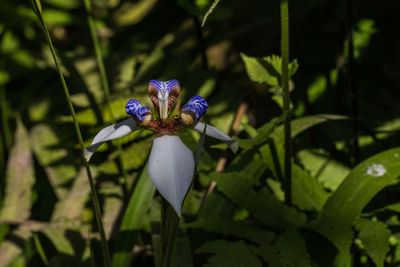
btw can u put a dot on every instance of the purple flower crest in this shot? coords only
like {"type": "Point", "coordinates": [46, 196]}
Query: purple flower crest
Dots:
{"type": "Point", "coordinates": [136, 109]}
{"type": "Point", "coordinates": [162, 86]}
{"type": "Point", "coordinates": [197, 105]}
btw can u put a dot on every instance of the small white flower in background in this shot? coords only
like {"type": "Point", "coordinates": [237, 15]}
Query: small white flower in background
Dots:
{"type": "Point", "coordinates": [171, 163]}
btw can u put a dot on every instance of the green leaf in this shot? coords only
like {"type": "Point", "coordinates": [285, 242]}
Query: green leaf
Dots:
{"type": "Point", "coordinates": [238, 187]}
{"type": "Point", "coordinates": [46, 146]}
{"type": "Point", "coordinates": [59, 17]}
{"type": "Point", "coordinates": [241, 229]}
{"type": "Point", "coordinates": [134, 218]}
{"type": "Point", "coordinates": [230, 254]}
{"type": "Point", "coordinates": [112, 206]}
{"type": "Point", "coordinates": [267, 69]}
{"type": "Point", "coordinates": [273, 152]}
{"type": "Point", "coordinates": [292, 249]}
{"type": "Point", "coordinates": [135, 155]}
{"type": "Point", "coordinates": [328, 171]}
{"type": "Point", "coordinates": [269, 254]}
{"type": "Point", "coordinates": [129, 13]}
{"type": "Point", "coordinates": [59, 239]}
{"type": "Point", "coordinates": [301, 124]}
{"type": "Point", "coordinates": [375, 238]}
{"type": "Point", "coordinates": [20, 178]}
{"type": "Point", "coordinates": [9, 249]}
{"type": "Point", "coordinates": [347, 202]}
{"type": "Point", "coordinates": [72, 205]}
{"type": "Point", "coordinates": [70, 4]}
{"type": "Point", "coordinates": [308, 194]}
{"type": "Point", "coordinates": [263, 133]}
{"type": "Point", "coordinates": [181, 254]}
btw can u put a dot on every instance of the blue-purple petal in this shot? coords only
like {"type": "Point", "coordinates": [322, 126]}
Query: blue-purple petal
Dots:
{"type": "Point", "coordinates": [163, 86]}
{"type": "Point", "coordinates": [197, 105]}
{"type": "Point", "coordinates": [136, 109]}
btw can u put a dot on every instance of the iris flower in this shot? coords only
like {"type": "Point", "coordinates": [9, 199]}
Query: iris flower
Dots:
{"type": "Point", "coordinates": [171, 163]}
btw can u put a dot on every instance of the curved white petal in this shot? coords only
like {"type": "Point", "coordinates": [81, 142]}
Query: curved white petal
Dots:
{"type": "Point", "coordinates": [171, 168]}
{"type": "Point", "coordinates": [218, 134]}
{"type": "Point", "coordinates": [109, 133]}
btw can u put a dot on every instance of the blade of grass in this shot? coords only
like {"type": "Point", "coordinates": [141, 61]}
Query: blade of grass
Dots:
{"type": "Point", "coordinates": [40, 249]}
{"type": "Point", "coordinates": [286, 100]}
{"type": "Point", "coordinates": [104, 81]}
{"type": "Point", "coordinates": [37, 8]}
{"type": "Point", "coordinates": [209, 11]}
{"type": "Point", "coordinates": [133, 219]}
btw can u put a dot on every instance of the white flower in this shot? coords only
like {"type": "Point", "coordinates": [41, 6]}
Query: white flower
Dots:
{"type": "Point", "coordinates": [171, 163]}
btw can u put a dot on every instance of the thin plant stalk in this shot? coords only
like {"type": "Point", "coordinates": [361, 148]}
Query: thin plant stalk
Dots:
{"type": "Point", "coordinates": [169, 228]}
{"type": "Point", "coordinates": [40, 249]}
{"type": "Point", "coordinates": [286, 100]}
{"type": "Point", "coordinates": [37, 8]}
{"type": "Point", "coordinates": [352, 81]}
{"type": "Point", "coordinates": [4, 118]}
{"type": "Point", "coordinates": [103, 75]}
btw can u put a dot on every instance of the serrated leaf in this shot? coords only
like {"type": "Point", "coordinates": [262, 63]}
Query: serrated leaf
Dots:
{"type": "Point", "coordinates": [375, 238]}
{"type": "Point", "coordinates": [308, 194]}
{"type": "Point", "coordinates": [19, 178]}
{"type": "Point", "coordinates": [347, 202]}
{"type": "Point", "coordinates": [292, 249]}
{"type": "Point", "coordinates": [134, 218]}
{"type": "Point", "coordinates": [239, 229]}
{"type": "Point", "coordinates": [230, 254]}
{"type": "Point", "coordinates": [328, 171]}
{"type": "Point", "coordinates": [261, 204]}
{"type": "Point", "coordinates": [267, 69]}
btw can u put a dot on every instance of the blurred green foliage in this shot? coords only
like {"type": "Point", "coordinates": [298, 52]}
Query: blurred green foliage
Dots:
{"type": "Point", "coordinates": [344, 213]}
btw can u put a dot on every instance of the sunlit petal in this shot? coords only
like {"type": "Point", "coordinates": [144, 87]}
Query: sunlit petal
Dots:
{"type": "Point", "coordinates": [109, 133]}
{"type": "Point", "coordinates": [171, 168]}
{"type": "Point", "coordinates": [193, 110]}
{"type": "Point", "coordinates": [218, 134]}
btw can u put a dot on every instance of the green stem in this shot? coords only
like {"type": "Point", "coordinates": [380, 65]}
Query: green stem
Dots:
{"type": "Point", "coordinates": [4, 118]}
{"type": "Point", "coordinates": [106, 254]}
{"type": "Point", "coordinates": [169, 228]}
{"type": "Point", "coordinates": [286, 100]}
{"type": "Point", "coordinates": [354, 95]}
{"type": "Point", "coordinates": [103, 75]}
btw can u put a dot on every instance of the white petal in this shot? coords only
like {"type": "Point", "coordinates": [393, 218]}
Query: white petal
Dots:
{"type": "Point", "coordinates": [171, 168]}
{"type": "Point", "coordinates": [218, 134]}
{"type": "Point", "coordinates": [109, 133]}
